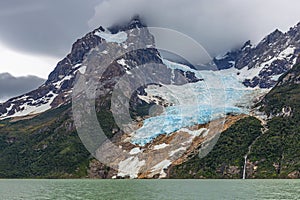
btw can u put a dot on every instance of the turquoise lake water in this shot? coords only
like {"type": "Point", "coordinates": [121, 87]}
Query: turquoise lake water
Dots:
{"type": "Point", "coordinates": [149, 189]}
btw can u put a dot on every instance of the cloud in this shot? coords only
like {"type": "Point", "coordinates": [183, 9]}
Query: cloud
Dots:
{"type": "Point", "coordinates": [44, 27]}
{"type": "Point", "coordinates": [22, 64]}
{"type": "Point", "coordinates": [11, 86]}
{"type": "Point", "coordinates": [50, 27]}
{"type": "Point", "coordinates": [218, 25]}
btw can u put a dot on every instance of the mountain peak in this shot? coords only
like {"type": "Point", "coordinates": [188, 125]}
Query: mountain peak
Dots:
{"type": "Point", "coordinates": [135, 22]}
{"type": "Point", "coordinates": [297, 26]}
{"type": "Point", "coordinates": [274, 36]}
{"type": "Point", "coordinates": [247, 45]}
{"type": "Point", "coordinates": [294, 31]}
{"type": "Point", "coordinates": [277, 31]}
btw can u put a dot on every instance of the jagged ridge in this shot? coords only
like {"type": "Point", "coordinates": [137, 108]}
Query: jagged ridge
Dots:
{"type": "Point", "coordinates": [266, 61]}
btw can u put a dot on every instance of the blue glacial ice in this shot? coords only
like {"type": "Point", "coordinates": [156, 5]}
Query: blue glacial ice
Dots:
{"type": "Point", "coordinates": [195, 103]}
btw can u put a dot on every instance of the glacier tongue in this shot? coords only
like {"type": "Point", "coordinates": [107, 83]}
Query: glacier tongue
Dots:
{"type": "Point", "coordinates": [196, 103]}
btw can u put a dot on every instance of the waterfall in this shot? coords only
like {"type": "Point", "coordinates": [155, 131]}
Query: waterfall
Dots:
{"type": "Point", "coordinates": [245, 165]}
{"type": "Point", "coordinates": [263, 130]}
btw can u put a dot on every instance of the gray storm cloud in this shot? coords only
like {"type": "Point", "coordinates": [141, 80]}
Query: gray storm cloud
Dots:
{"type": "Point", "coordinates": [45, 26]}
{"type": "Point", "coordinates": [218, 25]}
{"type": "Point", "coordinates": [11, 86]}
{"type": "Point", "coordinates": [50, 27]}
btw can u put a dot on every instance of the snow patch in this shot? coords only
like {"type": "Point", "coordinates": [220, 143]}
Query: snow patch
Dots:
{"type": "Point", "coordinates": [275, 77]}
{"type": "Point", "coordinates": [119, 37]}
{"type": "Point", "coordinates": [59, 83]}
{"type": "Point", "coordinates": [21, 98]}
{"type": "Point", "coordinates": [221, 57]}
{"type": "Point", "coordinates": [130, 167]}
{"type": "Point", "coordinates": [174, 65]}
{"type": "Point", "coordinates": [281, 56]}
{"type": "Point", "coordinates": [287, 52]}
{"type": "Point", "coordinates": [160, 167]}
{"type": "Point", "coordinates": [122, 62]}
{"type": "Point", "coordinates": [27, 109]}
{"type": "Point", "coordinates": [77, 65]}
{"type": "Point", "coordinates": [82, 69]}
{"type": "Point", "coordinates": [160, 146]}
{"type": "Point", "coordinates": [135, 150]}
{"type": "Point", "coordinates": [201, 131]}
{"type": "Point", "coordinates": [177, 150]}
{"type": "Point", "coordinates": [10, 107]}
{"type": "Point", "coordinates": [126, 66]}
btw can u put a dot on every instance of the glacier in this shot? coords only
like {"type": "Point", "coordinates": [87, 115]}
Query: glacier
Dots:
{"type": "Point", "coordinates": [219, 94]}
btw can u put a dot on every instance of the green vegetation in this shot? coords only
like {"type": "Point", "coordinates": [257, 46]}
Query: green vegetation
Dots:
{"type": "Point", "coordinates": [227, 154]}
{"type": "Point", "coordinates": [278, 151]}
{"type": "Point", "coordinates": [46, 146]}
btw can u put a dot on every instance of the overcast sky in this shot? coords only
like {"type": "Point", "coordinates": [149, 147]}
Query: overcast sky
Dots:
{"type": "Point", "coordinates": [36, 34]}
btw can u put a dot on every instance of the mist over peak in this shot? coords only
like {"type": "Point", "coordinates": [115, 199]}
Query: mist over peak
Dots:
{"type": "Point", "coordinates": [216, 25]}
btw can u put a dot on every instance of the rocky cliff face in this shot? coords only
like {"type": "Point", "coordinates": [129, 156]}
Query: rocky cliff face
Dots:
{"type": "Point", "coordinates": [56, 90]}
{"type": "Point", "coordinates": [266, 61]}
{"type": "Point", "coordinates": [292, 77]}
{"type": "Point", "coordinates": [283, 99]}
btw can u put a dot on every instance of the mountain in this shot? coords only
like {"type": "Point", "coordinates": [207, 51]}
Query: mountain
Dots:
{"type": "Point", "coordinates": [258, 66]}
{"type": "Point", "coordinates": [256, 150]}
{"type": "Point", "coordinates": [267, 60]}
{"type": "Point", "coordinates": [48, 110]}
{"type": "Point", "coordinates": [178, 111]}
{"type": "Point", "coordinates": [58, 88]}
{"type": "Point", "coordinates": [282, 100]}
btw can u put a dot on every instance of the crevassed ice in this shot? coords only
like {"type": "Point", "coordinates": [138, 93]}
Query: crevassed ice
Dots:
{"type": "Point", "coordinates": [177, 117]}
{"type": "Point", "coordinates": [195, 103]}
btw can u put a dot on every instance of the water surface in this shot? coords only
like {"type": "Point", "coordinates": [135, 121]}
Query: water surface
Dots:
{"type": "Point", "coordinates": [149, 189]}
